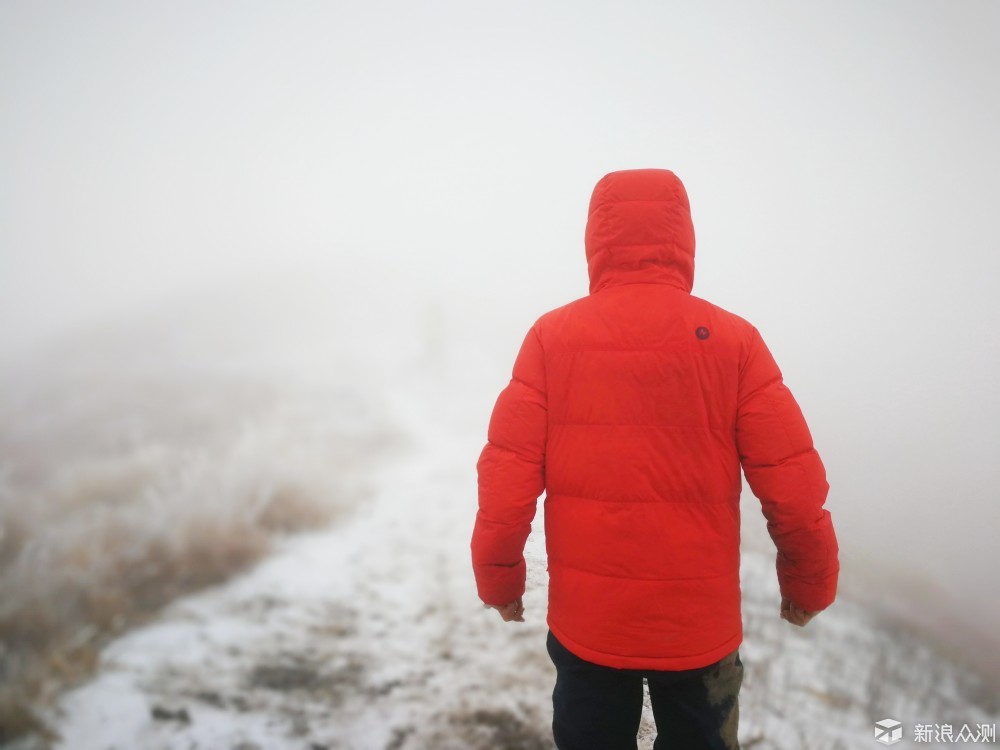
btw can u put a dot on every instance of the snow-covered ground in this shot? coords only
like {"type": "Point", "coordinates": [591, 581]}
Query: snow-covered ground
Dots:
{"type": "Point", "coordinates": [368, 635]}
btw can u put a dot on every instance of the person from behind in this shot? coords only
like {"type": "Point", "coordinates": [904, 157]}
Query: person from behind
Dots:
{"type": "Point", "coordinates": [634, 409]}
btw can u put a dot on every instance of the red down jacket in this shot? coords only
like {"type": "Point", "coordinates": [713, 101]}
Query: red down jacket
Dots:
{"type": "Point", "coordinates": [634, 409]}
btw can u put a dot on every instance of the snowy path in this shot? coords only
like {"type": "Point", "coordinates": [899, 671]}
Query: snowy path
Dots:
{"type": "Point", "coordinates": [364, 636]}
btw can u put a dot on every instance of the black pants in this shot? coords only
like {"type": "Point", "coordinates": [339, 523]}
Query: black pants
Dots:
{"type": "Point", "coordinates": [599, 708]}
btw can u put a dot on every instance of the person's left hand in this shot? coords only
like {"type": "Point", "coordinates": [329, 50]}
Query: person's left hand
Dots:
{"type": "Point", "coordinates": [513, 612]}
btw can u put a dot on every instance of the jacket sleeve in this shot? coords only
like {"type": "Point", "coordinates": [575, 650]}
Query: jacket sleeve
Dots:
{"type": "Point", "coordinates": [786, 474]}
{"type": "Point", "coordinates": [511, 471]}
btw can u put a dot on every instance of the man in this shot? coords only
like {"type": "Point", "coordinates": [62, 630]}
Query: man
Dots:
{"type": "Point", "coordinates": [634, 409]}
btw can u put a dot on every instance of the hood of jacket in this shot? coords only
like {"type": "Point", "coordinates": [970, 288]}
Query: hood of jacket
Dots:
{"type": "Point", "coordinates": [639, 230]}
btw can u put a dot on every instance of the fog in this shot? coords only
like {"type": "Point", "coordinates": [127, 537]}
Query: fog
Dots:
{"type": "Point", "coordinates": [437, 159]}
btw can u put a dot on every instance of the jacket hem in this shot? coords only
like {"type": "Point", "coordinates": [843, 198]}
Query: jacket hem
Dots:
{"type": "Point", "coordinates": [670, 663]}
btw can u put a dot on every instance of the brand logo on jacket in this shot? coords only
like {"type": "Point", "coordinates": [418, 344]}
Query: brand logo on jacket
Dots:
{"type": "Point", "coordinates": [702, 332]}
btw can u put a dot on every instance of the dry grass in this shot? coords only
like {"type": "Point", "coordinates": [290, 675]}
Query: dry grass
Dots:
{"type": "Point", "coordinates": [98, 536]}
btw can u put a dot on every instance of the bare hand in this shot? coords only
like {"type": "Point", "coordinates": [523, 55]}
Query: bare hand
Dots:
{"type": "Point", "coordinates": [513, 612]}
{"type": "Point", "coordinates": [795, 614]}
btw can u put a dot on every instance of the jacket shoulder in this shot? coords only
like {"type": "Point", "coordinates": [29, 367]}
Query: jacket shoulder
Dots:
{"type": "Point", "coordinates": [736, 321]}
{"type": "Point", "coordinates": [558, 316]}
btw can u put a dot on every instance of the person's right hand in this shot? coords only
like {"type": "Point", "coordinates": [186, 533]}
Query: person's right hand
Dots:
{"type": "Point", "coordinates": [512, 612]}
{"type": "Point", "coordinates": [794, 613]}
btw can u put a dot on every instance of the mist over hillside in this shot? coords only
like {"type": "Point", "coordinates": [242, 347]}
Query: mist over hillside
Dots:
{"type": "Point", "coordinates": [322, 440]}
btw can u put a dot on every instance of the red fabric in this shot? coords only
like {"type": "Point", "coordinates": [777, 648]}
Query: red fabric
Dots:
{"type": "Point", "coordinates": [634, 409]}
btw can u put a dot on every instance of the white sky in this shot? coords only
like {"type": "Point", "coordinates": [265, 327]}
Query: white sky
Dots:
{"type": "Point", "coordinates": [842, 161]}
